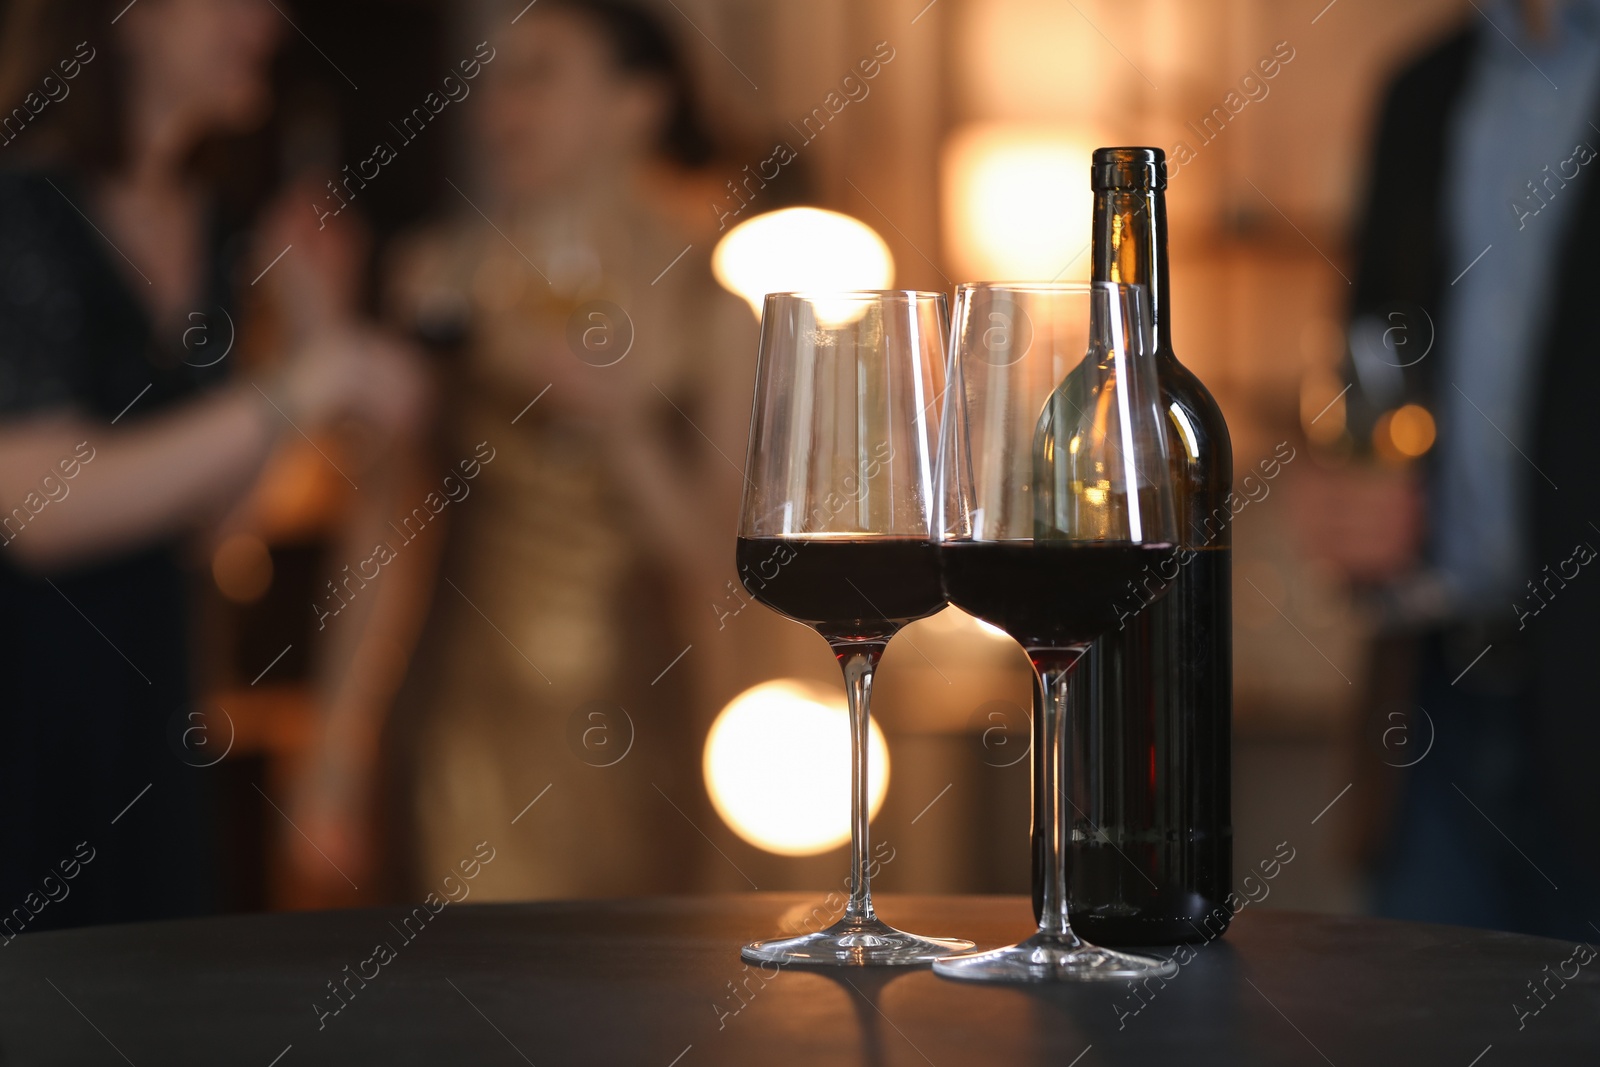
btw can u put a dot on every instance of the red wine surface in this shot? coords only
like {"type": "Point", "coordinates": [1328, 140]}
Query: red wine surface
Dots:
{"type": "Point", "coordinates": [1054, 595]}
{"type": "Point", "coordinates": [850, 590]}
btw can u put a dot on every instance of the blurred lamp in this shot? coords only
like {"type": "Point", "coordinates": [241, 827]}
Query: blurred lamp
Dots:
{"type": "Point", "coordinates": [1017, 204]}
{"type": "Point", "coordinates": [801, 248]}
{"type": "Point", "coordinates": [777, 766]}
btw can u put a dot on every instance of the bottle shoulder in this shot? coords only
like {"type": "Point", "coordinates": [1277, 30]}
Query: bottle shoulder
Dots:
{"type": "Point", "coordinates": [1202, 427]}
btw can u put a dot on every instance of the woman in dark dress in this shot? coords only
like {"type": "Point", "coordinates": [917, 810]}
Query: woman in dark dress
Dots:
{"type": "Point", "coordinates": [120, 435]}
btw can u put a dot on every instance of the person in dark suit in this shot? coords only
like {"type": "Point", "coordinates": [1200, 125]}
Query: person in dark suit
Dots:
{"type": "Point", "coordinates": [1474, 299]}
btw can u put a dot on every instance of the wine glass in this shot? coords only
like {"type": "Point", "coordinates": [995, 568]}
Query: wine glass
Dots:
{"type": "Point", "coordinates": [834, 528]}
{"type": "Point", "coordinates": [1055, 517]}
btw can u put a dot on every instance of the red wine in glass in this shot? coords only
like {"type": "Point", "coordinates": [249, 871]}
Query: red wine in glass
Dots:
{"type": "Point", "coordinates": [845, 589]}
{"type": "Point", "coordinates": [1056, 510]}
{"type": "Point", "coordinates": [1052, 594]}
{"type": "Point", "coordinates": [835, 531]}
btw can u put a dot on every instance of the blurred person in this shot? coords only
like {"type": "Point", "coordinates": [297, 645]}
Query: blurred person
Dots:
{"type": "Point", "coordinates": [1473, 300]}
{"type": "Point", "coordinates": [601, 398]}
{"type": "Point", "coordinates": [120, 441]}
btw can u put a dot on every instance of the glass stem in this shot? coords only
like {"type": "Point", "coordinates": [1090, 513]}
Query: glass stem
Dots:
{"type": "Point", "coordinates": [1051, 797]}
{"type": "Point", "coordinates": [859, 660]}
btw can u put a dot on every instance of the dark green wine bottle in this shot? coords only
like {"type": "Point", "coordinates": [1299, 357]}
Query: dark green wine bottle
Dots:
{"type": "Point", "coordinates": [1151, 760]}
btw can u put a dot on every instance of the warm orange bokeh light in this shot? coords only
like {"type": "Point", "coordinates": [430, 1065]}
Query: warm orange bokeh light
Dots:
{"type": "Point", "coordinates": [777, 767]}
{"type": "Point", "coordinates": [1017, 204]}
{"type": "Point", "coordinates": [1405, 433]}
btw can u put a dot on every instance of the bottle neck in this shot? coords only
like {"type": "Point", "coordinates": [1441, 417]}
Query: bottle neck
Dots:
{"type": "Point", "coordinates": [1130, 246]}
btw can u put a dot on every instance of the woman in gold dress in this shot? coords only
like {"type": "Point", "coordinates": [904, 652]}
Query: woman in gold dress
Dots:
{"type": "Point", "coordinates": [568, 666]}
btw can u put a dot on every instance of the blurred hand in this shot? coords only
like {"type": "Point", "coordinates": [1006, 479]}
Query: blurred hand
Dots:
{"type": "Point", "coordinates": [356, 374]}
{"type": "Point", "coordinates": [1364, 521]}
{"type": "Point", "coordinates": [320, 277]}
{"type": "Point", "coordinates": [334, 845]}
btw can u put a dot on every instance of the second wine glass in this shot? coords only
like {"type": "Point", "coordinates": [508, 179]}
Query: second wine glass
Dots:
{"type": "Point", "coordinates": [1057, 523]}
{"type": "Point", "coordinates": [834, 530]}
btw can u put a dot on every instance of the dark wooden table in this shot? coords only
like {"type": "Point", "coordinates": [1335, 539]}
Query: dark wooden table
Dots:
{"type": "Point", "coordinates": [659, 983]}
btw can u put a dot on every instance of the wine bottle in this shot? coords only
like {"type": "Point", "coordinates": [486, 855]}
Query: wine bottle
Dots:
{"type": "Point", "coordinates": [1151, 776]}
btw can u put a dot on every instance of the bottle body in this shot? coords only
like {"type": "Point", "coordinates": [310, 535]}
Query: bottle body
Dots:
{"type": "Point", "coordinates": [1152, 702]}
{"type": "Point", "coordinates": [1152, 851]}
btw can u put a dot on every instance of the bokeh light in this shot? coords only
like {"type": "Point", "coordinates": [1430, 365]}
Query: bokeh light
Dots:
{"type": "Point", "coordinates": [1017, 202]}
{"type": "Point", "coordinates": [1411, 430]}
{"type": "Point", "coordinates": [801, 249]}
{"type": "Point", "coordinates": [777, 766]}
{"type": "Point", "coordinates": [242, 568]}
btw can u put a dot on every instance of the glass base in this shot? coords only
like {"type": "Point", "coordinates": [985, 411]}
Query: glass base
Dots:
{"type": "Point", "coordinates": [1053, 958]}
{"type": "Point", "coordinates": [854, 943]}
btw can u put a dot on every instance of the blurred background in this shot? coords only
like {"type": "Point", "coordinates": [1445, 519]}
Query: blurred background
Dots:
{"type": "Point", "coordinates": [530, 255]}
